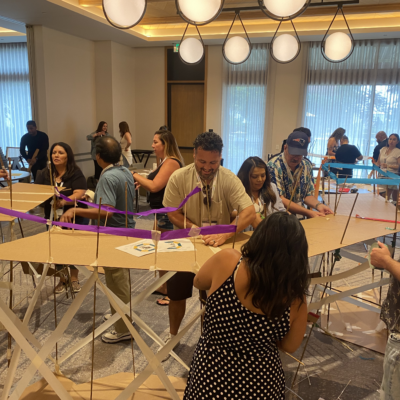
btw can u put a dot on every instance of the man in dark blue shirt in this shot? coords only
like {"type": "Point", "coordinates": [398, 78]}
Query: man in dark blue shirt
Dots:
{"type": "Point", "coordinates": [346, 154]}
{"type": "Point", "coordinates": [37, 143]}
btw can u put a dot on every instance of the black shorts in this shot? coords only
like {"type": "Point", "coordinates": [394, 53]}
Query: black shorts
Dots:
{"type": "Point", "coordinates": [180, 286]}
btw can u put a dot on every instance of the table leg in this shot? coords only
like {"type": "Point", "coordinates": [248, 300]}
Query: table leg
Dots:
{"type": "Point", "coordinates": [148, 156]}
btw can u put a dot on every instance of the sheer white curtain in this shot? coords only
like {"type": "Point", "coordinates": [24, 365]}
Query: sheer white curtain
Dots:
{"type": "Point", "coordinates": [15, 98]}
{"type": "Point", "coordinates": [244, 107]}
{"type": "Point", "coordinates": [360, 95]}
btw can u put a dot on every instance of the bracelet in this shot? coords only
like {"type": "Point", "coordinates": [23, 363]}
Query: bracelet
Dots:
{"type": "Point", "coordinates": [318, 204]}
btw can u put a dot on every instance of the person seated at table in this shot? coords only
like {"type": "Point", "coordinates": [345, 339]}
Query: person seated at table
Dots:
{"type": "Point", "coordinates": [126, 142]}
{"type": "Point", "coordinates": [390, 314]}
{"type": "Point", "coordinates": [256, 180]}
{"type": "Point", "coordinates": [221, 193]}
{"type": "Point", "coordinates": [166, 150]}
{"type": "Point", "coordinates": [34, 141]}
{"type": "Point", "coordinates": [346, 154]}
{"type": "Point", "coordinates": [93, 137]}
{"type": "Point", "coordinates": [301, 129]}
{"type": "Point", "coordinates": [335, 141]}
{"type": "Point", "coordinates": [285, 169]}
{"type": "Point", "coordinates": [389, 160]}
{"type": "Point", "coordinates": [256, 305]}
{"type": "Point", "coordinates": [68, 175]}
{"type": "Point", "coordinates": [111, 191]}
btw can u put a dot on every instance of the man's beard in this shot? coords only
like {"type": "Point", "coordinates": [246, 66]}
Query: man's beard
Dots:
{"type": "Point", "coordinates": [208, 177]}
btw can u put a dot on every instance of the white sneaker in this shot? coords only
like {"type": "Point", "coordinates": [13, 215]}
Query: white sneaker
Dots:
{"type": "Point", "coordinates": [114, 337]}
{"type": "Point", "coordinates": [168, 338]}
{"type": "Point", "coordinates": [106, 317]}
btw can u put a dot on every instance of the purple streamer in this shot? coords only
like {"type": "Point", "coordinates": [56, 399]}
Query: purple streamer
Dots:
{"type": "Point", "coordinates": [22, 215]}
{"type": "Point", "coordinates": [143, 214]}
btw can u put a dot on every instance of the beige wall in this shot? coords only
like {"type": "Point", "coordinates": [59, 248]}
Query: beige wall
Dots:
{"type": "Point", "coordinates": [66, 87]}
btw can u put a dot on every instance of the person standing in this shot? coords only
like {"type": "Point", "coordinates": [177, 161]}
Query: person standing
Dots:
{"type": "Point", "coordinates": [346, 154]}
{"type": "Point", "coordinates": [256, 180]}
{"type": "Point", "coordinates": [334, 141]}
{"type": "Point", "coordinates": [126, 142]}
{"type": "Point", "coordinates": [37, 143]}
{"type": "Point", "coordinates": [285, 169]}
{"type": "Point", "coordinates": [111, 190]}
{"type": "Point", "coordinates": [389, 160]}
{"type": "Point", "coordinates": [256, 305]}
{"type": "Point", "coordinates": [68, 175]}
{"type": "Point", "coordinates": [390, 314]}
{"type": "Point", "coordinates": [221, 193]}
{"type": "Point", "coordinates": [165, 149]}
{"type": "Point", "coordinates": [93, 137]}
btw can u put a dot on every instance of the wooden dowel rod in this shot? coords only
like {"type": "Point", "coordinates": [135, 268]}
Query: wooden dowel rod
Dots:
{"type": "Point", "coordinates": [348, 220]}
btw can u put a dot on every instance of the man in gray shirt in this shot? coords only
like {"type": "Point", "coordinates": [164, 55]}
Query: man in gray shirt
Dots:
{"type": "Point", "coordinates": [111, 191]}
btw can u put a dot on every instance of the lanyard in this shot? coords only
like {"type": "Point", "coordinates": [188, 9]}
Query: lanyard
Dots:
{"type": "Point", "coordinates": [214, 184]}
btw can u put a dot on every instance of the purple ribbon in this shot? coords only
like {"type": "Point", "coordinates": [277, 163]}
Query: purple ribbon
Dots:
{"type": "Point", "coordinates": [143, 214]}
{"type": "Point", "coordinates": [127, 232]}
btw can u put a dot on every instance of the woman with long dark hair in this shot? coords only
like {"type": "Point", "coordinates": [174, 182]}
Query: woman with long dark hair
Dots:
{"type": "Point", "coordinates": [256, 305]}
{"type": "Point", "coordinates": [99, 132]}
{"type": "Point", "coordinates": [257, 181]}
{"type": "Point", "coordinates": [66, 174]}
{"type": "Point", "coordinates": [169, 159]}
{"type": "Point", "coordinates": [334, 141]}
{"type": "Point", "coordinates": [126, 142]}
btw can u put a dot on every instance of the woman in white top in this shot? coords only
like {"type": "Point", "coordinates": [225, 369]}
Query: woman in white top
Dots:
{"type": "Point", "coordinates": [257, 181]}
{"type": "Point", "coordinates": [126, 141]}
{"type": "Point", "coordinates": [389, 160]}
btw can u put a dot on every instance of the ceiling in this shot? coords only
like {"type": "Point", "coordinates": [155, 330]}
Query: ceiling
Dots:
{"type": "Point", "coordinates": [162, 26]}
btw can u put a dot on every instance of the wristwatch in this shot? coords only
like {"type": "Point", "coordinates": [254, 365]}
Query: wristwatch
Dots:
{"type": "Point", "coordinates": [316, 206]}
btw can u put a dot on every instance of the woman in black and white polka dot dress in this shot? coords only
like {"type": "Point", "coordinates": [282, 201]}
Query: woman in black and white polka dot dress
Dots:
{"type": "Point", "coordinates": [256, 305]}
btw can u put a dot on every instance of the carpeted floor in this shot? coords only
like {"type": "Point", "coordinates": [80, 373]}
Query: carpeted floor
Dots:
{"type": "Point", "coordinates": [330, 365]}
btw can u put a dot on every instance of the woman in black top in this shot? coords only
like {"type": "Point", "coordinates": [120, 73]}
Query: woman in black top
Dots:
{"type": "Point", "coordinates": [169, 159]}
{"type": "Point", "coordinates": [68, 175]}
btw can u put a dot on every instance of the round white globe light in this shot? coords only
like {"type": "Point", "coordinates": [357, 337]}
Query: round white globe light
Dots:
{"type": "Point", "coordinates": [199, 11]}
{"type": "Point", "coordinates": [236, 50]}
{"type": "Point", "coordinates": [284, 8]}
{"type": "Point", "coordinates": [191, 50]}
{"type": "Point", "coordinates": [338, 46]}
{"type": "Point", "coordinates": [285, 48]}
{"type": "Point", "coordinates": [125, 13]}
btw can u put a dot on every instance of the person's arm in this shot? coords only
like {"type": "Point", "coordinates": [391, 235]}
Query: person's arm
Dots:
{"type": "Point", "coordinates": [92, 136]}
{"type": "Point", "coordinates": [311, 201]}
{"type": "Point", "coordinates": [3, 174]}
{"type": "Point", "coordinates": [291, 342]}
{"type": "Point", "coordinates": [360, 157]}
{"type": "Point", "coordinates": [128, 137]}
{"type": "Point", "coordinates": [380, 258]}
{"type": "Point", "coordinates": [76, 195]}
{"type": "Point", "coordinates": [22, 150]}
{"type": "Point", "coordinates": [246, 217]}
{"type": "Point", "coordinates": [331, 146]}
{"type": "Point", "coordinates": [178, 219]}
{"type": "Point", "coordinates": [257, 221]}
{"type": "Point", "coordinates": [161, 179]}
{"type": "Point", "coordinates": [43, 147]}
{"type": "Point", "coordinates": [297, 209]}
{"type": "Point", "coordinates": [90, 213]}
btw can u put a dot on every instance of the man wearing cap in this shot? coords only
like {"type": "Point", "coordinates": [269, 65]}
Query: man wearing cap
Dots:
{"type": "Point", "coordinates": [285, 169]}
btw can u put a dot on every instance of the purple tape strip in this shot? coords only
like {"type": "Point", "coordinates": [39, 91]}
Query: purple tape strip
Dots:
{"type": "Point", "coordinates": [144, 213]}
{"type": "Point", "coordinates": [18, 214]}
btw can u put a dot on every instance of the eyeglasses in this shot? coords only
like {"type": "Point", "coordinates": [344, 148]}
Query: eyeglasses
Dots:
{"type": "Point", "coordinates": [207, 193]}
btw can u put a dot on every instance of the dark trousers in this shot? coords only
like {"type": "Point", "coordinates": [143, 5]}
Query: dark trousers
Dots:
{"type": "Point", "coordinates": [97, 170]}
{"type": "Point", "coordinates": [39, 165]}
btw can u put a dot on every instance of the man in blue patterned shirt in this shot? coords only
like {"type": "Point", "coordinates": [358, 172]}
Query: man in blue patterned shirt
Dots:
{"type": "Point", "coordinates": [285, 169]}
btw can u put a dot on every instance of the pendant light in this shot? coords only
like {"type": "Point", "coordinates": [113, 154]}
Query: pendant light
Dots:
{"type": "Point", "coordinates": [283, 10]}
{"type": "Point", "coordinates": [199, 12]}
{"type": "Point", "coordinates": [337, 47]}
{"type": "Point", "coordinates": [237, 49]}
{"type": "Point", "coordinates": [124, 14]}
{"type": "Point", "coordinates": [191, 50]}
{"type": "Point", "coordinates": [285, 47]}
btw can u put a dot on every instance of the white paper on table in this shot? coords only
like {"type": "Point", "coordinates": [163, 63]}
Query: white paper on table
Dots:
{"type": "Point", "coordinates": [147, 246]}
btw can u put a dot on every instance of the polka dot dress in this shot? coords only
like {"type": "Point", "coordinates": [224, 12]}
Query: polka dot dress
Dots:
{"type": "Point", "coordinates": [237, 356]}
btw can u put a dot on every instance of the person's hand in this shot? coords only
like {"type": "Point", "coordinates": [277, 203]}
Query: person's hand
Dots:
{"type": "Point", "coordinates": [315, 214]}
{"type": "Point", "coordinates": [322, 208]}
{"type": "Point", "coordinates": [3, 174]}
{"type": "Point", "coordinates": [68, 216]}
{"type": "Point", "coordinates": [216, 240]}
{"type": "Point", "coordinates": [137, 185]}
{"type": "Point", "coordinates": [380, 258]}
{"type": "Point", "coordinates": [60, 203]}
{"type": "Point", "coordinates": [32, 161]}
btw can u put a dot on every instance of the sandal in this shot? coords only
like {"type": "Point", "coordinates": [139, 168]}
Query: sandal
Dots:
{"type": "Point", "coordinates": [159, 293]}
{"type": "Point", "coordinates": [165, 301]}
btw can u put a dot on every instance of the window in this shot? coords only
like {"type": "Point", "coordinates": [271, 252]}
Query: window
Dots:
{"type": "Point", "coordinates": [243, 109]}
{"type": "Point", "coordinates": [15, 98]}
{"type": "Point", "coordinates": [360, 95]}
